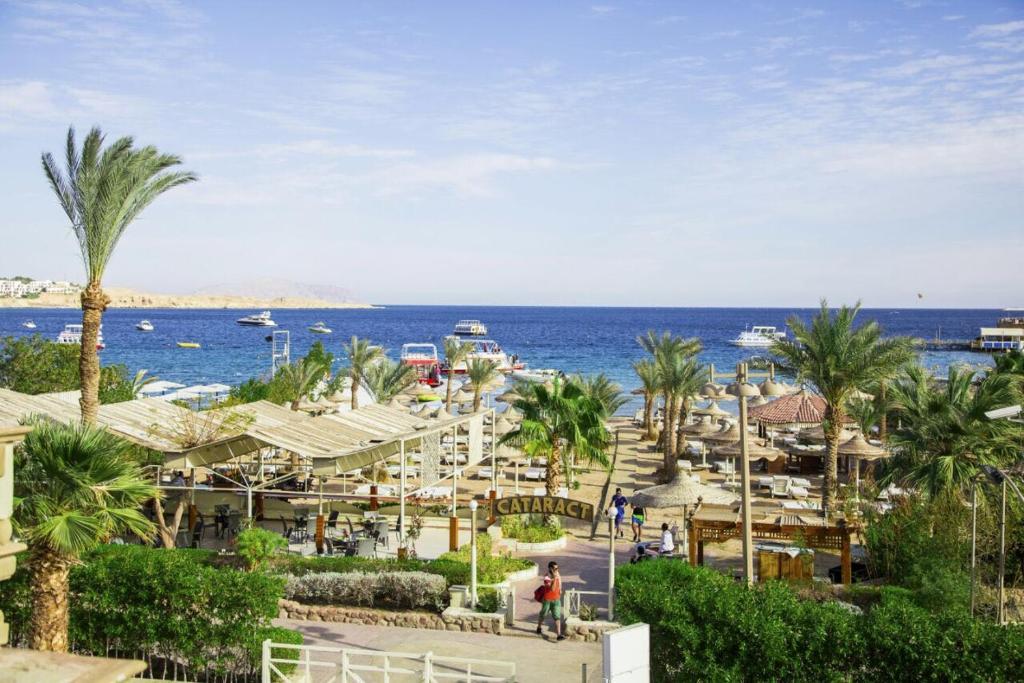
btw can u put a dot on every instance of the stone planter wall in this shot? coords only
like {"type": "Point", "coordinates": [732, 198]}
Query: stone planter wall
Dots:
{"type": "Point", "coordinates": [450, 620]}
{"type": "Point", "coordinates": [589, 631]}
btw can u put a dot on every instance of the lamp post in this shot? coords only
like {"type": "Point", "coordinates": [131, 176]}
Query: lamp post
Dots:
{"type": "Point", "coordinates": [1003, 479]}
{"type": "Point", "coordinates": [472, 553]}
{"type": "Point", "coordinates": [744, 390]}
{"type": "Point", "coordinates": [611, 564]}
{"type": "Point", "coordinates": [974, 537]}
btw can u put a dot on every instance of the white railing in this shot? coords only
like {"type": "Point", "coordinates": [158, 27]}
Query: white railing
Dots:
{"type": "Point", "coordinates": [351, 665]}
{"type": "Point", "coordinates": [572, 599]}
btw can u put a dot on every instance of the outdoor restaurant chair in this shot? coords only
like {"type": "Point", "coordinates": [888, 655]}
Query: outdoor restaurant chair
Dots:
{"type": "Point", "coordinates": [331, 526]}
{"type": "Point", "coordinates": [380, 532]}
{"type": "Point", "coordinates": [197, 533]}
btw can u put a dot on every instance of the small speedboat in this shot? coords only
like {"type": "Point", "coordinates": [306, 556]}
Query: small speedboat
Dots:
{"type": "Point", "coordinates": [188, 345]}
{"type": "Point", "coordinates": [319, 328]}
{"type": "Point", "coordinates": [29, 325]}
{"type": "Point", "coordinates": [144, 326]}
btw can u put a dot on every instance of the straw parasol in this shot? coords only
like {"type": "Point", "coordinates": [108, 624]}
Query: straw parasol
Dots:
{"type": "Point", "coordinates": [729, 433]}
{"type": "Point", "coordinates": [395, 404]}
{"type": "Point", "coordinates": [770, 387]}
{"type": "Point", "coordinates": [510, 396]}
{"type": "Point", "coordinates": [443, 414]}
{"type": "Point", "coordinates": [681, 492]}
{"type": "Point", "coordinates": [338, 397]}
{"type": "Point", "coordinates": [503, 426]}
{"type": "Point", "coordinates": [511, 413]}
{"type": "Point", "coordinates": [462, 396]}
{"type": "Point", "coordinates": [712, 390]}
{"type": "Point", "coordinates": [857, 447]}
{"type": "Point", "coordinates": [758, 401]}
{"type": "Point", "coordinates": [421, 390]}
{"type": "Point", "coordinates": [818, 434]}
{"type": "Point", "coordinates": [712, 410]}
{"type": "Point", "coordinates": [862, 395]}
{"type": "Point", "coordinates": [756, 450]}
{"type": "Point", "coordinates": [702, 427]}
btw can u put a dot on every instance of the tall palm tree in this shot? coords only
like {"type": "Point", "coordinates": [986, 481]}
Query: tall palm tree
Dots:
{"type": "Point", "coordinates": [944, 437]}
{"type": "Point", "coordinates": [607, 393]}
{"type": "Point", "coordinates": [455, 351]}
{"type": "Point", "coordinates": [301, 377]}
{"type": "Point", "coordinates": [558, 422]}
{"type": "Point", "coordinates": [647, 371]}
{"type": "Point", "coordinates": [837, 358]}
{"type": "Point", "coordinates": [386, 379]}
{"type": "Point", "coordinates": [481, 373]}
{"type": "Point", "coordinates": [662, 348]}
{"type": "Point", "coordinates": [361, 355]}
{"type": "Point", "coordinates": [77, 486]}
{"type": "Point", "coordinates": [680, 377]}
{"type": "Point", "coordinates": [102, 191]}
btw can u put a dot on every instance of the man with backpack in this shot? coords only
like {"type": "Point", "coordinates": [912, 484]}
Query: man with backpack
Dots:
{"type": "Point", "coordinates": [549, 596]}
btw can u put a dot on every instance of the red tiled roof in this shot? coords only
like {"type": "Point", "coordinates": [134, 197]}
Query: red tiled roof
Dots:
{"type": "Point", "coordinates": [802, 407]}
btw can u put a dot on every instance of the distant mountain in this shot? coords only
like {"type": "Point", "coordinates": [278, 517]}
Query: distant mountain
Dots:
{"type": "Point", "coordinates": [271, 288]}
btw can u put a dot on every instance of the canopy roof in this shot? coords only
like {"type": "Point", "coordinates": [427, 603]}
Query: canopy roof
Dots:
{"type": "Point", "coordinates": [803, 407]}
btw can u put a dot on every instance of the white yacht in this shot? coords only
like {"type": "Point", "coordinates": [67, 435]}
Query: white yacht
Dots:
{"type": "Point", "coordinates": [257, 320]}
{"type": "Point", "coordinates": [144, 326]}
{"type": "Point", "coordinates": [759, 336]}
{"type": "Point", "coordinates": [469, 328]}
{"type": "Point", "coordinates": [72, 334]}
{"type": "Point", "coordinates": [319, 328]}
{"type": "Point", "coordinates": [29, 325]}
{"type": "Point", "coordinates": [484, 349]}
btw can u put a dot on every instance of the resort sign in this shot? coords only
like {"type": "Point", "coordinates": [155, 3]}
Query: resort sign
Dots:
{"type": "Point", "coordinates": [544, 505]}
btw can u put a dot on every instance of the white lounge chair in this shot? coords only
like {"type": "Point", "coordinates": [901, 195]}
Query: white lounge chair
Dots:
{"type": "Point", "coordinates": [534, 473]}
{"type": "Point", "coordinates": [781, 486]}
{"type": "Point", "coordinates": [797, 492]}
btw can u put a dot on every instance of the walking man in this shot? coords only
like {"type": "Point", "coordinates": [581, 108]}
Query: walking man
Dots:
{"type": "Point", "coordinates": [620, 502]}
{"type": "Point", "coordinates": [552, 600]}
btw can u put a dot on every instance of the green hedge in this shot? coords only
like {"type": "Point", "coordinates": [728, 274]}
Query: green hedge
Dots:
{"type": "Point", "coordinates": [490, 568]}
{"type": "Point", "coordinates": [163, 606]}
{"type": "Point", "coordinates": [706, 626]}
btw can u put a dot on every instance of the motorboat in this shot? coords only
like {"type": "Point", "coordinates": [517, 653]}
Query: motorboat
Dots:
{"type": "Point", "coordinates": [72, 334]}
{"type": "Point", "coordinates": [469, 328]}
{"type": "Point", "coordinates": [758, 336]}
{"type": "Point", "coordinates": [257, 320]}
{"type": "Point", "coordinates": [538, 375]}
{"type": "Point", "coordinates": [29, 325]}
{"type": "Point", "coordinates": [319, 328]}
{"type": "Point", "coordinates": [188, 345]}
{"type": "Point", "coordinates": [144, 326]}
{"type": "Point", "coordinates": [423, 358]}
{"type": "Point", "coordinates": [484, 349]}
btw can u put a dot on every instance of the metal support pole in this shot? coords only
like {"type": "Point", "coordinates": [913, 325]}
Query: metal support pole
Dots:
{"type": "Point", "coordinates": [472, 554]}
{"type": "Point", "coordinates": [748, 557]}
{"type": "Point", "coordinates": [1002, 556]}
{"type": "Point", "coordinates": [974, 538]}
{"type": "Point", "coordinates": [401, 494]}
{"type": "Point", "coordinates": [453, 521]}
{"type": "Point", "coordinates": [611, 566]}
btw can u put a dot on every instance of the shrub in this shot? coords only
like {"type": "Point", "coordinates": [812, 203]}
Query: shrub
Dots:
{"type": "Point", "coordinates": [490, 568]}
{"type": "Point", "coordinates": [588, 612]}
{"type": "Point", "coordinates": [487, 600]}
{"type": "Point", "coordinates": [528, 529]}
{"type": "Point", "coordinates": [705, 626]}
{"type": "Point", "coordinates": [391, 589]}
{"type": "Point", "coordinates": [455, 572]}
{"type": "Point", "coordinates": [256, 546]}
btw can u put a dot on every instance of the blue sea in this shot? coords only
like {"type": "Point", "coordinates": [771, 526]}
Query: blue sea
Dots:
{"type": "Point", "coordinates": [587, 340]}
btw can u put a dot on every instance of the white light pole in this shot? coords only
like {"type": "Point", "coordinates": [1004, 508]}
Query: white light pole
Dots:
{"type": "Point", "coordinates": [744, 390]}
{"type": "Point", "coordinates": [472, 553]}
{"type": "Point", "coordinates": [611, 564]}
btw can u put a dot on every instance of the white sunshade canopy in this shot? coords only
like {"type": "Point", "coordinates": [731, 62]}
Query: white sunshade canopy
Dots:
{"type": "Point", "coordinates": [160, 386]}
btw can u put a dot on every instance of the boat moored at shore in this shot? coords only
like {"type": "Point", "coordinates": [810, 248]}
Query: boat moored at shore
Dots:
{"type": "Point", "coordinates": [484, 349]}
{"type": "Point", "coordinates": [423, 358]}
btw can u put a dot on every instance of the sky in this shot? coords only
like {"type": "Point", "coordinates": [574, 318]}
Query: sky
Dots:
{"type": "Point", "coordinates": [538, 153]}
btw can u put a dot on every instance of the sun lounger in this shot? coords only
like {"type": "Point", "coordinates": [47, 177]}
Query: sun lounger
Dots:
{"type": "Point", "coordinates": [804, 483]}
{"type": "Point", "coordinates": [797, 492]}
{"type": "Point", "coordinates": [782, 486]}
{"type": "Point", "coordinates": [764, 482]}
{"type": "Point", "coordinates": [534, 473]}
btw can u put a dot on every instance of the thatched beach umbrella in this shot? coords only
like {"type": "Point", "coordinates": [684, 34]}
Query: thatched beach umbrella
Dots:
{"type": "Point", "coordinates": [682, 492]}
{"type": "Point", "coordinates": [756, 450]}
{"type": "Point", "coordinates": [702, 427]}
{"type": "Point", "coordinates": [510, 396]}
{"type": "Point", "coordinates": [503, 426]}
{"type": "Point", "coordinates": [729, 433]}
{"type": "Point", "coordinates": [395, 404]}
{"type": "Point", "coordinates": [817, 434]}
{"type": "Point", "coordinates": [770, 387]}
{"type": "Point", "coordinates": [712, 410]}
{"type": "Point", "coordinates": [512, 413]}
{"type": "Point", "coordinates": [859, 449]}
{"type": "Point", "coordinates": [462, 396]}
{"type": "Point", "coordinates": [712, 390]}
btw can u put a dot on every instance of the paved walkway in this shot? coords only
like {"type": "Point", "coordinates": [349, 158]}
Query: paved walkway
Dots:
{"type": "Point", "coordinates": [536, 660]}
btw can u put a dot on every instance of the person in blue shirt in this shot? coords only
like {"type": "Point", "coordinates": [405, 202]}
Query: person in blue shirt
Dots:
{"type": "Point", "coordinates": [620, 502]}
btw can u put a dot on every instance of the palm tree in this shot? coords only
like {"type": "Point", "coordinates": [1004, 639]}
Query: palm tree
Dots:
{"type": "Point", "coordinates": [607, 393]}
{"type": "Point", "coordinates": [558, 422]}
{"type": "Point", "coordinates": [455, 352]}
{"type": "Point", "coordinates": [300, 378]}
{"type": "Point", "coordinates": [1010, 363]}
{"type": "Point", "coordinates": [945, 437]}
{"type": "Point", "coordinates": [78, 486]}
{"type": "Point", "coordinates": [386, 379]}
{"type": "Point", "coordinates": [102, 191]}
{"type": "Point", "coordinates": [680, 377]}
{"type": "Point", "coordinates": [481, 373]}
{"type": "Point", "coordinates": [662, 347]}
{"type": "Point", "coordinates": [836, 359]}
{"type": "Point", "coordinates": [647, 371]}
{"type": "Point", "coordinates": [361, 355]}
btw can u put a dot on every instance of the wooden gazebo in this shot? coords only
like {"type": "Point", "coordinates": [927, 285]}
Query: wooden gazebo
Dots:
{"type": "Point", "coordinates": [717, 526]}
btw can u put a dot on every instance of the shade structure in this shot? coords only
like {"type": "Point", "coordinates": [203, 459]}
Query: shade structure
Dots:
{"type": "Point", "coordinates": [462, 396]}
{"type": "Point", "coordinates": [324, 402]}
{"type": "Point", "coordinates": [509, 396]}
{"type": "Point", "coordinates": [818, 434]}
{"type": "Point", "coordinates": [712, 410]}
{"type": "Point", "coordinates": [727, 434]}
{"type": "Point", "coordinates": [862, 395]}
{"type": "Point", "coordinates": [702, 427]}
{"type": "Point", "coordinates": [681, 492]}
{"type": "Point", "coordinates": [858, 447]}
{"type": "Point", "coordinates": [503, 426]}
{"type": "Point", "coordinates": [802, 407]}
{"type": "Point", "coordinates": [712, 390]}
{"type": "Point", "coordinates": [770, 387]}
{"type": "Point", "coordinates": [756, 450]}
{"type": "Point", "coordinates": [395, 404]}
{"type": "Point", "coordinates": [758, 401]}
{"type": "Point", "coordinates": [421, 390]}
{"type": "Point", "coordinates": [443, 414]}
{"type": "Point", "coordinates": [511, 413]}
{"type": "Point", "coordinates": [339, 397]}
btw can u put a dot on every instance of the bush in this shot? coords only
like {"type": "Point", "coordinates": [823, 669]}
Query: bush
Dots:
{"type": "Point", "coordinates": [490, 568]}
{"type": "Point", "coordinates": [528, 529]}
{"type": "Point", "coordinates": [705, 626]}
{"type": "Point", "coordinates": [256, 546]}
{"type": "Point", "coordinates": [164, 605]}
{"type": "Point", "coordinates": [487, 600]}
{"type": "Point", "coordinates": [391, 589]}
{"type": "Point", "coordinates": [455, 572]}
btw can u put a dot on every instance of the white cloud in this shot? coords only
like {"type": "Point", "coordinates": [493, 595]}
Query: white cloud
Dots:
{"type": "Point", "coordinates": [467, 175]}
{"type": "Point", "coordinates": [997, 30]}
{"type": "Point", "coordinates": [915, 67]}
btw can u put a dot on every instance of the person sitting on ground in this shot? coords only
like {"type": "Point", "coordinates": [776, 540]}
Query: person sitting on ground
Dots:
{"type": "Point", "coordinates": [637, 523]}
{"type": "Point", "coordinates": [641, 554]}
{"type": "Point", "coordinates": [668, 544]}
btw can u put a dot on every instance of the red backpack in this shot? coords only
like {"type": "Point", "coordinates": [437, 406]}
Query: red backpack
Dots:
{"type": "Point", "coordinates": [538, 594]}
